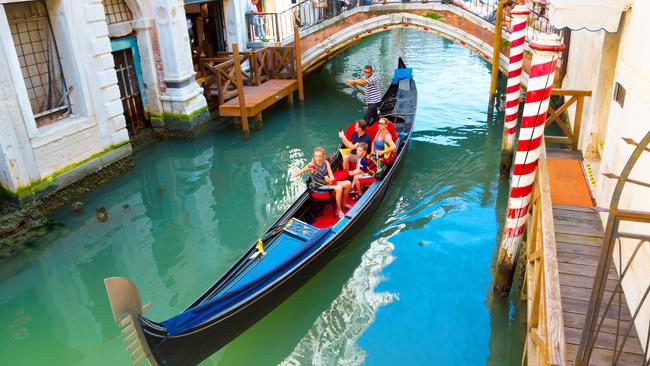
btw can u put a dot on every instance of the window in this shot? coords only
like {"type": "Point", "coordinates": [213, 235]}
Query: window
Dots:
{"type": "Point", "coordinates": [117, 12]}
{"type": "Point", "coordinates": [39, 60]}
{"type": "Point", "coordinates": [619, 94]}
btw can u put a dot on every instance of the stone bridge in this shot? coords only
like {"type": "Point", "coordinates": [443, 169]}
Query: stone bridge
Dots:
{"type": "Point", "coordinates": [323, 41]}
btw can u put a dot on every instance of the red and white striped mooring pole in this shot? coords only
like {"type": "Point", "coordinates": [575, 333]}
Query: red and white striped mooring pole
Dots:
{"type": "Point", "coordinates": [513, 89]}
{"type": "Point", "coordinates": [546, 51]}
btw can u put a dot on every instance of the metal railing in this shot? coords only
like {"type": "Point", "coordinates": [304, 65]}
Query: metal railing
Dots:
{"type": "Point", "coordinates": [607, 303]}
{"type": "Point", "coordinates": [278, 27]}
{"type": "Point", "coordinates": [545, 343]}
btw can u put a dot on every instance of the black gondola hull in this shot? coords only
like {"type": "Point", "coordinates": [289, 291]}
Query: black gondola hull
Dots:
{"type": "Point", "coordinates": [194, 346]}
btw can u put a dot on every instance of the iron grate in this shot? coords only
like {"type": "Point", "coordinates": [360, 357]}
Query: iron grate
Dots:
{"type": "Point", "coordinates": [38, 59]}
{"type": "Point", "coordinates": [117, 12]}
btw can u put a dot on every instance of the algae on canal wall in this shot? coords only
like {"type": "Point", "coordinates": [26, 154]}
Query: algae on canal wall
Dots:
{"type": "Point", "coordinates": [21, 227]}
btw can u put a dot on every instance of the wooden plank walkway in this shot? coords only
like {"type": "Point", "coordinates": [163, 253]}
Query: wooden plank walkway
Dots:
{"type": "Point", "coordinates": [579, 237]}
{"type": "Point", "coordinates": [258, 98]}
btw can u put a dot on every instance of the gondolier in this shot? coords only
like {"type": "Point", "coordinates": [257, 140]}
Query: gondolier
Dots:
{"type": "Point", "coordinates": [372, 94]}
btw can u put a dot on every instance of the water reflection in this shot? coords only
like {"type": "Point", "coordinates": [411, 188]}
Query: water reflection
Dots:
{"type": "Point", "coordinates": [333, 336]}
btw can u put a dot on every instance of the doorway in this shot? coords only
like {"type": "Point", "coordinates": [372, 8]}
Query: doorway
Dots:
{"type": "Point", "coordinates": [129, 78]}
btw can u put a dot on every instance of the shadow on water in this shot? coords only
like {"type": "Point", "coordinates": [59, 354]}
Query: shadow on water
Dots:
{"type": "Point", "coordinates": [411, 288]}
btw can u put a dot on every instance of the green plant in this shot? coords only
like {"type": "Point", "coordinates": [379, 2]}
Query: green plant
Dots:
{"type": "Point", "coordinates": [433, 16]}
{"type": "Point", "coordinates": [505, 43]}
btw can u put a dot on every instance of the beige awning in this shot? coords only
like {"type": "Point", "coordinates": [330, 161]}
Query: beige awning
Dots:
{"type": "Point", "coordinates": [592, 15]}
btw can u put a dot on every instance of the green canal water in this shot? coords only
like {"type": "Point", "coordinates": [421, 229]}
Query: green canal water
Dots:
{"type": "Point", "coordinates": [412, 288]}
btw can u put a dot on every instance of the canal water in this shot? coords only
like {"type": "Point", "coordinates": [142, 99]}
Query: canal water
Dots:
{"type": "Point", "coordinates": [413, 287]}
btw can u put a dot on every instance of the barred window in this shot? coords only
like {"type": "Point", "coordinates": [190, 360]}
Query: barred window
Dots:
{"type": "Point", "coordinates": [117, 12]}
{"type": "Point", "coordinates": [39, 60]}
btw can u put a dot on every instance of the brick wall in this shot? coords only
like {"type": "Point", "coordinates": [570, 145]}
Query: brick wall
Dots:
{"type": "Point", "coordinates": [158, 59]}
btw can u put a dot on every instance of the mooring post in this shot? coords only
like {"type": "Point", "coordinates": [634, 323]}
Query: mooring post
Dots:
{"type": "Point", "coordinates": [546, 50]}
{"type": "Point", "coordinates": [496, 55]}
{"type": "Point", "coordinates": [297, 51]}
{"type": "Point", "coordinates": [240, 87]}
{"type": "Point", "coordinates": [513, 89]}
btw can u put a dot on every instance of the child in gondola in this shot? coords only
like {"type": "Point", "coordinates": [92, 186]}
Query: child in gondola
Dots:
{"type": "Point", "coordinates": [322, 178]}
{"type": "Point", "coordinates": [365, 171]}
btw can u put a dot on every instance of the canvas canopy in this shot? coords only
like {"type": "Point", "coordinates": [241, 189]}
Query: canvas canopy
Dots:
{"type": "Point", "coordinates": [592, 15]}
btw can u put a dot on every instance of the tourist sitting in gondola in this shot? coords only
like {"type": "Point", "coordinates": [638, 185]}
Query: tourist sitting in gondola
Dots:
{"type": "Point", "coordinates": [383, 145]}
{"type": "Point", "coordinates": [322, 179]}
{"type": "Point", "coordinates": [366, 169]}
{"type": "Point", "coordinates": [358, 137]}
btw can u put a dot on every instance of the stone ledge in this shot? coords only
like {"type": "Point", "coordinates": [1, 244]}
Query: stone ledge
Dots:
{"type": "Point", "coordinates": [68, 175]}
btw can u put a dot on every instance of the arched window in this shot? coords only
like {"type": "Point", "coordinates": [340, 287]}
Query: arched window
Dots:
{"type": "Point", "coordinates": [117, 12]}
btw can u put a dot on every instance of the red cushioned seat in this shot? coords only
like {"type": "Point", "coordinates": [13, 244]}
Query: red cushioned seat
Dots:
{"type": "Point", "coordinates": [341, 175]}
{"type": "Point", "coordinates": [372, 130]}
{"type": "Point", "coordinates": [366, 181]}
{"type": "Point", "coordinates": [392, 130]}
{"type": "Point", "coordinates": [324, 195]}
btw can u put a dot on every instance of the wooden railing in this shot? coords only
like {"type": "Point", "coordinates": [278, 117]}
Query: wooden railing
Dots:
{"type": "Point", "coordinates": [545, 343]}
{"type": "Point", "coordinates": [220, 75]}
{"type": "Point", "coordinates": [571, 132]}
{"type": "Point", "coordinates": [219, 78]}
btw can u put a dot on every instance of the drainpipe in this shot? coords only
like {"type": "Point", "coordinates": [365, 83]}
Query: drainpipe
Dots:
{"type": "Point", "coordinates": [546, 51]}
{"type": "Point", "coordinates": [513, 90]}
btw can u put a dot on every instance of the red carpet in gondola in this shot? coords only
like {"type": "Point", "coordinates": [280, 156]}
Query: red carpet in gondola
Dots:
{"type": "Point", "coordinates": [325, 219]}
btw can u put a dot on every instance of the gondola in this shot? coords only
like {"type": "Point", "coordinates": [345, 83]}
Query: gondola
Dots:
{"type": "Point", "coordinates": [289, 253]}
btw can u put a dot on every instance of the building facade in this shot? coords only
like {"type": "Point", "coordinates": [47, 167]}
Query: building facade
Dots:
{"type": "Point", "coordinates": [613, 64]}
{"type": "Point", "coordinates": [78, 77]}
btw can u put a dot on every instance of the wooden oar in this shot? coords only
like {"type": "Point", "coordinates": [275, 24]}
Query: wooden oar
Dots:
{"type": "Point", "coordinates": [357, 88]}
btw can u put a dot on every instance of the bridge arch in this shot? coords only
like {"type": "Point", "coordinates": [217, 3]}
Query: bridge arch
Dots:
{"type": "Point", "coordinates": [324, 41]}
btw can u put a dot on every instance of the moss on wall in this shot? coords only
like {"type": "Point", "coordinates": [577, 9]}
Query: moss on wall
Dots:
{"type": "Point", "coordinates": [43, 183]}
{"type": "Point", "coordinates": [185, 117]}
{"type": "Point", "coordinates": [434, 16]}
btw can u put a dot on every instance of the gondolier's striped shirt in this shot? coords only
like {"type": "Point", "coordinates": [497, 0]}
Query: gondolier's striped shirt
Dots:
{"type": "Point", "coordinates": [373, 95]}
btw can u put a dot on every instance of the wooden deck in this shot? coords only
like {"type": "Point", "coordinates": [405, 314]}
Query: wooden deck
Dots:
{"type": "Point", "coordinates": [258, 98]}
{"type": "Point", "coordinates": [579, 236]}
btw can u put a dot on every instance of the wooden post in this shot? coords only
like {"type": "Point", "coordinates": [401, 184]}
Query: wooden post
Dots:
{"type": "Point", "coordinates": [240, 87]}
{"type": "Point", "coordinates": [578, 122]}
{"type": "Point", "coordinates": [200, 35]}
{"type": "Point", "coordinates": [298, 54]}
{"type": "Point", "coordinates": [546, 50]}
{"type": "Point", "coordinates": [496, 55]}
{"type": "Point", "coordinates": [258, 120]}
{"type": "Point", "coordinates": [513, 89]}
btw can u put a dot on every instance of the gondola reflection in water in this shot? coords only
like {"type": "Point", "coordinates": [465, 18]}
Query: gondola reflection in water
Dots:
{"type": "Point", "coordinates": [295, 248]}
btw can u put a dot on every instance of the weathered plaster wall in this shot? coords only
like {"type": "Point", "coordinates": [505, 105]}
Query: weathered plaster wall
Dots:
{"type": "Point", "coordinates": [15, 169]}
{"type": "Point", "coordinates": [631, 71]}
{"type": "Point", "coordinates": [184, 106]}
{"type": "Point", "coordinates": [96, 123]}
{"type": "Point", "coordinates": [276, 6]}
{"type": "Point", "coordinates": [235, 20]}
{"type": "Point", "coordinates": [592, 56]}
{"type": "Point", "coordinates": [143, 24]}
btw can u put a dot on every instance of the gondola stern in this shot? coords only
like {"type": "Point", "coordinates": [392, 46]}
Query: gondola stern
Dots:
{"type": "Point", "coordinates": [127, 309]}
